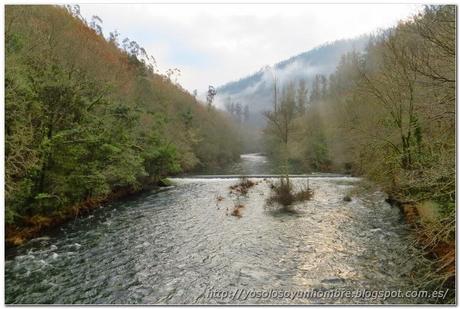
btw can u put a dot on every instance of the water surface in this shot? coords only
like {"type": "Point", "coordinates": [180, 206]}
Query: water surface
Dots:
{"type": "Point", "coordinates": [173, 246]}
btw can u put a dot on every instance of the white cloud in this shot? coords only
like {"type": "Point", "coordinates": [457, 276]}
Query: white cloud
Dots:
{"type": "Point", "coordinates": [217, 43]}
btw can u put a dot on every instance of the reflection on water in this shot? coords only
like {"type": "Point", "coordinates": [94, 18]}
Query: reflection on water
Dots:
{"type": "Point", "coordinates": [249, 164]}
{"type": "Point", "coordinates": [172, 246]}
{"type": "Point", "coordinates": [255, 164]}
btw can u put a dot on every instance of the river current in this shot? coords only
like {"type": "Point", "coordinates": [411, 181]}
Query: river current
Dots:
{"type": "Point", "coordinates": [181, 245]}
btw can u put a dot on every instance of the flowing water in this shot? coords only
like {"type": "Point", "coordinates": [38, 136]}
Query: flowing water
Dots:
{"type": "Point", "coordinates": [182, 246]}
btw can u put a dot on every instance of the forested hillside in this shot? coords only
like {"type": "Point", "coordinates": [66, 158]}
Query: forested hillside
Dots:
{"type": "Point", "coordinates": [88, 116]}
{"type": "Point", "coordinates": [388, 114]}
{"type": "Point", "coordinates": [254, 92]}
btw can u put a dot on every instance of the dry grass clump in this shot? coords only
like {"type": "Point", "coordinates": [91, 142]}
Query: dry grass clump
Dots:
{"type": "Point", "coordinates": [305, 194]}
{"type": "Point", "coordinates": [283, 193]}
{"type": "Point", "coordinates": [240, 189]}
{"type": "Point", "coordinates": [243, 186]}
{"type": "Point", "coordinates": [237, 211]}
{"type": "Point", "coordinates": [436, 237]}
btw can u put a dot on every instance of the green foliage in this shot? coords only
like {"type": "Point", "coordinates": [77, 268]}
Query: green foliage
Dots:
{"type": "Point", "coordinates": [86, 117]}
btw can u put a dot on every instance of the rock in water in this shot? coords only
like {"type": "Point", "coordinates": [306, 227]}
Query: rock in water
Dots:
{"type": "Point", "coordinates": [333, 280]}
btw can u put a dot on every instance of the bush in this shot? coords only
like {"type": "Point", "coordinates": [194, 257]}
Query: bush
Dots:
{"type": "Point", "coordinates": [243, 186]}
{"type": "Point", "coordinates": [283, 193]}
{"type": "Point", "coordinates": [237, 211]}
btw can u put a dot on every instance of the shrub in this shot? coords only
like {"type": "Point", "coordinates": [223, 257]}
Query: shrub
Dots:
{"type": "Point", "coordinates": [237, 211]}
{"type": "Point", "coordinates": [243, 186]}
{"type": "Point", "coordinates": [283, 193]}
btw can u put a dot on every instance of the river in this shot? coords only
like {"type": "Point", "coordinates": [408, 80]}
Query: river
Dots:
{"type": "Point", "coordinates": [181, 246]}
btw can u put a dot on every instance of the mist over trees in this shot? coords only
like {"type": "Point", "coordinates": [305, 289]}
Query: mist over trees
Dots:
{"type": "Point", "coordinates": [87, 116]}
{"type": "Point", "coordinates": [387, 113]}
{"type": "Point", "coordinates": [256, 90]}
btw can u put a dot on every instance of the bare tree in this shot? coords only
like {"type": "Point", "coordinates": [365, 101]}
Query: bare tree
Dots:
{"type": "Point", "coordinates": [281, 123]}
{"type": "Point", "coordinates": [301, 96]}
{"type": "Point", "coordinates": [211, 94]}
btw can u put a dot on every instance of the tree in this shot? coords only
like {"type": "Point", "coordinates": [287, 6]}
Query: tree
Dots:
{"type": "Point", "coordinates": [394, 88]}
{"type": "Point", "coordinates": [316, 89]}
{"type": "Point", "coordinates": [281, 124]}
{"type": "Point", "coordinates": [210, 95]}
{"type": "Point", "coordinates": [302, 97]}
{"type": "Point", "coordinates": [238, 112]}
{"type": "Point", "coordinates": [88, 117]}
{"type": "Point", "coordinates": [246, 113]}
{"type": "Point", "coordinates": [229, 105]}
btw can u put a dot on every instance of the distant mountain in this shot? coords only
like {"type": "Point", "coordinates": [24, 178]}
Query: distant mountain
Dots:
{"type": "Point", "coordinates": [256, 90]}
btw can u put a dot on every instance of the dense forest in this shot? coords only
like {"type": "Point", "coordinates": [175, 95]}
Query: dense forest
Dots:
{"type": "Point", "coordinates": [89, 116]}
{"type": "Point", "coordinates": [387, 113]}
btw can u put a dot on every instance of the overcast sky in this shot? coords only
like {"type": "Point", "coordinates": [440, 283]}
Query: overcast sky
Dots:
{"type": "Point", "coordinates": [216, 43]}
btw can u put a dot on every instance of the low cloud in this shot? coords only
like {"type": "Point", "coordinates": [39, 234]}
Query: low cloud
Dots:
{"type": "Point", "coordinates": [217, 43]}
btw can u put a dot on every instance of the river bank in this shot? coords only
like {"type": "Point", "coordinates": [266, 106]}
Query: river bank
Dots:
{"type": "Point", "coordinates": [431, 234]}
{"type": "Point", "coordinates": [36, 225]}
{"type": "Point", "coordinates": [434, 237]}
